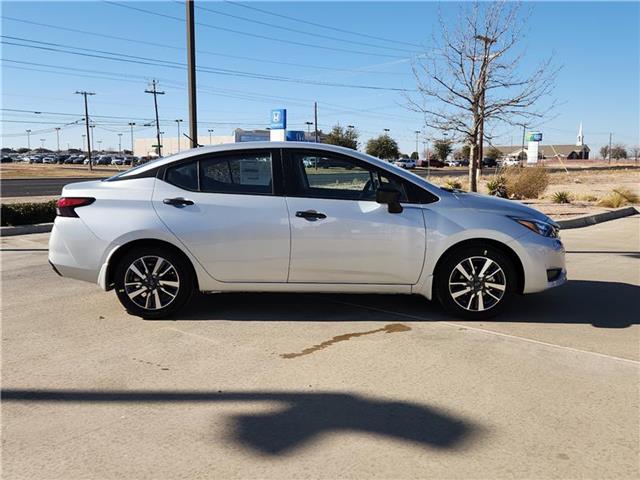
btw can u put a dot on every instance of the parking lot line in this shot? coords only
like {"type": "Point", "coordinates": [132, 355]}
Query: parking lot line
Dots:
{"type": "Point", "coordinates": [499, 334]}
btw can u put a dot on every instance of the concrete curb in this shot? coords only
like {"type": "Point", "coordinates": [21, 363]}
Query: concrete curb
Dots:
{"type": "Point", "coordinates": [597, 218]}
{"type": "Point", "coordinates": [25, 229]}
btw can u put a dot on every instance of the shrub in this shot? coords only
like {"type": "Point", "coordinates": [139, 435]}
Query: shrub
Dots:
{"type": "Point", "coordinates": [497, 186]}
{"type": "Point", "coordinates": [561, 197]}
{"type": "Point", "coordinates": [27, 213]}
{"type": "Point", "coordinates": [453, 184]}
{"type": "Point", "coordinates": [619, 197]}
{"type": "Point", "coordinates": [586, 197]}
{"type": "Point", "coordinates": [527, 182]}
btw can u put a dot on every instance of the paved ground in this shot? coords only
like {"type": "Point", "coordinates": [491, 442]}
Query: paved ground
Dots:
{"type": "Point", "coordinates": [311, 386]}
{"type": "Point", "coordinates": [32, 187]}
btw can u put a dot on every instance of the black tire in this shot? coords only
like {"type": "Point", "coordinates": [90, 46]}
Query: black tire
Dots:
{"type": "Point", "coordinates": [451, 281]}
{"type": "Point", "coordinates": [153, 288]}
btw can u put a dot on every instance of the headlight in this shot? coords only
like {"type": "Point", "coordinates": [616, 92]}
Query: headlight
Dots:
{"type": "Point", "coordinates": [541, 228]}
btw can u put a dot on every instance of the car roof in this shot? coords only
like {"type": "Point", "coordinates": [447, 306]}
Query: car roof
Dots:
{"type": "Point", "coordinates": [322, 147]}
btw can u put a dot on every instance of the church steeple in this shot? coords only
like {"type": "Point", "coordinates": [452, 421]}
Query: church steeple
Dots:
{"type": "Point", "coordinates": [580, 141]}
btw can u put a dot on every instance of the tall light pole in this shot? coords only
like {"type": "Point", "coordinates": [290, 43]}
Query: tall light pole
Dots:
{"type": "Point", "coordinates": [210, 132]}
{"type": "Point", "coordinates": [83, 137]}
{"type": "Point", "coordinates": [86, 123]}
{"type": "Point", "coordinates": [155, 92]}
{"type": "Point", "coordinates": [92, 127]}
{"type": "Point", "coordinates": [386, 131]}
{"type": "Point", "coordinates": [119, 143]}
{"type": "Point", "coordinates": [42, 140]}
{"type": "Point", "coordinates": [99, 145]}
{"type": "Point", "coordinates": [417, 132]}
{"type": "Point", "coordinates": [308, 124]}
{"type": "Point", "coordinates": [28, 139]}
{"type": "Point", "coordinates": [178, 122]}
{"type": "Point", "coordinates": [191, 67]}
{"type": "Point", "coordinates": [58, 137]}
{"type": "Point", "coordinates": [131, 125]}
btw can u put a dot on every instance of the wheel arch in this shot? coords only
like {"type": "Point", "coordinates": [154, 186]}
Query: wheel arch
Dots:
{"type": "Point", "coordinates": [121, 251]}
{"type": "Point", "coordinates": [476, 242]}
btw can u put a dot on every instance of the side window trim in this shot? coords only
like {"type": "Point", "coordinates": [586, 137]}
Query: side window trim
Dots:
{"type": "Point", "coordinates": [277, 170]}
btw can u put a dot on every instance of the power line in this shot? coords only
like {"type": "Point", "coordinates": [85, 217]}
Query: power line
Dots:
{"type": "Point", "coordinates": [319, 25]}
{"type": "Point", "coordinates": [114, 56]}
{"type": "Point", "coordinates": [364, 69]}
{"type": "Point", "coordinates": [255, 35]}
{"type": "Point", "coordinates": [288, 29]}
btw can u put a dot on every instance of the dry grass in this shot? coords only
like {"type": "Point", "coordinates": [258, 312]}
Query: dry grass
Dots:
{"type": "Point", "coordinates": [37, 170]}
{"type": "Point", "coordinates": [619, 197]}
{"type": "Point", "coordinates": [526, 183]}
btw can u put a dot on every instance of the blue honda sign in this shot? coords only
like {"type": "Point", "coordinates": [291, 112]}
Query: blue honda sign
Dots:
{"type": "Point", "coordinates": [279, 119]}
{"type": "Point", "coordinates": [295, 136]}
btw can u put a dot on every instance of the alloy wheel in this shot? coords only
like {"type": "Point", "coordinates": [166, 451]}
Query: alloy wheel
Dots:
{"type": "Point", "coordinates": [151, 282]}
{"type": "Point", "coordinates": [477, 284]}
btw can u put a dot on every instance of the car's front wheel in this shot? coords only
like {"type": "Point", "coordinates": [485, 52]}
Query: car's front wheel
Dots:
{"type": "Point", "coordinates": [153, 282]}
{"type": "Point", "coordinates": [476, 282]}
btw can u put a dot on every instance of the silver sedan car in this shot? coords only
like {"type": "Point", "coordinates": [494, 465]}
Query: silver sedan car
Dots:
{"type": "Point", "coordinates": [263, 217]}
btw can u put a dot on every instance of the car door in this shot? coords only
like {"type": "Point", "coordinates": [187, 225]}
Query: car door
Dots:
{"type": "Point", "coordinates": [339, 233]}
{"type": "Point", "coordinates": [227, 211]}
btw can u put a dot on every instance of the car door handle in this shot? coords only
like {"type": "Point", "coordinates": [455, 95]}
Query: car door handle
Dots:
{"type": "Point", "coordinates": [311, 215]}
{"type": "Point", "coordinates": [177, 202]}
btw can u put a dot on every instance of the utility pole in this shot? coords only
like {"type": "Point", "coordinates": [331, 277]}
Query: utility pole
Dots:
{"type": "Point", "coordinates": [524, 127]}
{"type": "Point", "coordinates": [86, 122]}
{"type": "Point", "coordinates": [178, 122]}
{"type": "Point", "coordinates": [29, 139]}
{"type": "Point", "coordinates": [315, 119]}
{"type": "Point", "coordinates": [119, 143]}
{"type": "Point", "coordinates": [609, 152]}
{"type": "Point", "coordinates": [191, 67]}
{"type": "Point", "coordinates": [58, 137]}
{"type": "Point", "coordinates": [131, 124]}
{"type": "Point", "coordinates": [155, 92]}
{"type": "Point", "coordinates": [210, 132]}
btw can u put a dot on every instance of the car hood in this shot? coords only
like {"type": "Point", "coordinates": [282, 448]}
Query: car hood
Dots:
{"type": "Point", "coordinates": [481, 202]}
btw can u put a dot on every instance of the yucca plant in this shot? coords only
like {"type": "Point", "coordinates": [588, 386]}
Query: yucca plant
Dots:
{"type": "Point", "coordinates": [561, 197]}
{"type": "Point", "coordinates": [497, 186]}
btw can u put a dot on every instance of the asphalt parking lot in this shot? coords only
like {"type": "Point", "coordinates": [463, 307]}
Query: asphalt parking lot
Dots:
{"type": "Point", "coordinates": [324, 386]}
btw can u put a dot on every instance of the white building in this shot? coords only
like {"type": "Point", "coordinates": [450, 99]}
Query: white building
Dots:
{"type": "Point", "coordinates": [145, 147]}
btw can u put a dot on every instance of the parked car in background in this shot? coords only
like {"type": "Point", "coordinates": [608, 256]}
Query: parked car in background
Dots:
{"type": "Point", "coordinates": [405, 163]}
{"type": "Point", "coordinates": [49, 159]}
{"type": "Point", "coordinates": [435, 163]}
{"type": "Point", "coordinates": [79, 160]}
{"type": "Point", "coordinates": [511, 162]}
{"type": "Point", "coordinates": [6, 159]}
{"type": "Point", "coordinates": [453, 163]}
{"type": "Point", "coordinates": [489, 162]}
{"type": "Point", "coordinates": [250, 217]}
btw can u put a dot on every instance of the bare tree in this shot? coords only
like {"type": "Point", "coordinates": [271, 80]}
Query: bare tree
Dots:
{"type": "Point", "coordinates": [475, 76]}
{"type": "Point", "coordinates": [635, 152]}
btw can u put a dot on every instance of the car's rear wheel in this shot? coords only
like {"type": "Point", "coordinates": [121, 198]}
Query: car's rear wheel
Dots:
{"type": "Point", "coordinates": [153, 282]}
{"type": "Point", "coordinates": [476, 282]}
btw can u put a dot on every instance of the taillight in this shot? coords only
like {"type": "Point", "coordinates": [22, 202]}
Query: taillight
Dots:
{"type": "Point", "coordinates": [66, 205]}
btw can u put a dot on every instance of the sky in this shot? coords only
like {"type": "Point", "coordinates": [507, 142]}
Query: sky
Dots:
{"type": "Point", "coordinates": [352, 58]}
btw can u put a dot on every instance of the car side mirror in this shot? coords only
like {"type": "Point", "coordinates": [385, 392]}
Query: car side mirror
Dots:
{"type": "Point", "coordinates": [391, 197]}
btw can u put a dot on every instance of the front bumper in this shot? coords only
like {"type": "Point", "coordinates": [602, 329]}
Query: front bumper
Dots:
{"type": "Point", "coordinates": [540, 255]}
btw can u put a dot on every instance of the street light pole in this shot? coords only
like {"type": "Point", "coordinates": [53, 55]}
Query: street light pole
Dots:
{"type": "Point", "coordinates": [42, 143]}
{"type": "Point", "coordinates": [29, 139]}
{"type": "Point", "coordinates": [131, 124]}
{"type": "Point", "coordinates": [417, 132]}
{"type": "Point", "coordinates": [119, 143]}
{"type": "Point", "coordinates": [210, 132]}
{"type": "Point", "coordinates": [58, 137]}
{"type": "Point", "coordinates": [178, 122]}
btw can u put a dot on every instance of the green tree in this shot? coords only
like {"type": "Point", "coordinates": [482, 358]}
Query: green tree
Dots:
{"type": "Point", "coordinates": [414, 156]}
{"type": "Point", "coordinates": [493, 153]}
{"type": "Point", "coordinates": [344, 137]}
{"type": "Point", "coordinates": [383, 147]}
{"type": "Point", "coordinates": [618, 151]}
{"type": "Point", "coordinates": [442, 149]}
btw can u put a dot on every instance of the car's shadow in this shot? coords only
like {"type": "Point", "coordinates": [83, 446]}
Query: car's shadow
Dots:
{"type": "Point", "coordinates": [601, 304]}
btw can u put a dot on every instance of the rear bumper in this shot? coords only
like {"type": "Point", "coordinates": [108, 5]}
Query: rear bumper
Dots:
{"type": "Point", "coordinates": [74, 251]}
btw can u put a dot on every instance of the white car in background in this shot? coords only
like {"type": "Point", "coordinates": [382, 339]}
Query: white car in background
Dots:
{"type": "Point", "coordinates": [510, 162]}
{"type": "Point", "coordinates": [250, 217]}
{"type": "Point", "coordinates": [406, 163]}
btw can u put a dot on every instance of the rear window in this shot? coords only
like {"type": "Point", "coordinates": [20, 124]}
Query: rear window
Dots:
{"type": "Point", "coordinates": [183, 176]}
